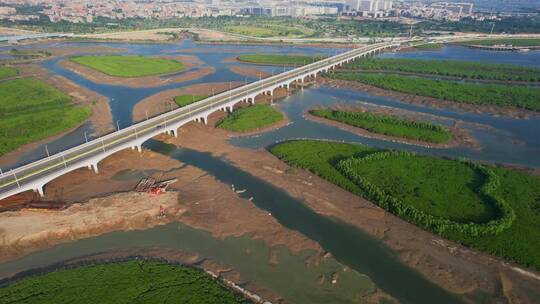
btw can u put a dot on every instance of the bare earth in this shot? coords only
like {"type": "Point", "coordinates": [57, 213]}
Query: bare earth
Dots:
{"type": "Point", "coordinates": [193, 71]}
{"type": "Point", "coordinates": [196, 199]}
{"type": "Point", "coordinates": [432, 102]}
{"type": "Point", "coordinates": [248, 71]}
{"type": "Point", "coordinates": [460, 136]}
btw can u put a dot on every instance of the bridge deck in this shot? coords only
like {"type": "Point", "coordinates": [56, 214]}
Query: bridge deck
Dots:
{"type": "Point", "coordinates": [35, 175]}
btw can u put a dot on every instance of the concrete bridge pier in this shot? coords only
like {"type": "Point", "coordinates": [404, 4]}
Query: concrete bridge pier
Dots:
{"type": "Point", "coordinates": [95, 167]}
{"type": "Point", "coordinates": [39, 190]}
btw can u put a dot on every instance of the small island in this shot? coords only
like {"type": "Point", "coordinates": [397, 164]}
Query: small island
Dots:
{"type": "Point", "coordinates": [252, 118]}
{"type": "Point", "coordinates": [129, 66]}
{"type": "Point", "coordinates": [187, 99]}
{"type": "Point", "coordinates": [388, 125]}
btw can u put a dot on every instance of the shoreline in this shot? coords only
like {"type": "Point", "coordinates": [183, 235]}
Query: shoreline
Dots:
{"type": "Point", "coordinates": [197, 200]}
{"type": "Point", "coordinates": [247, 71]}
{"type": "Point", "coordinates": [496, 111]}
{"type": "Point", "coordinates": [460, 136]}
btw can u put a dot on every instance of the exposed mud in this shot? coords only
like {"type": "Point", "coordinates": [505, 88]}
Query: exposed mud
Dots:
{"type": "Point", "coordinates": [196, 199]}
{"type": "Point", "coordinates": [428, 101]}
{"type": "Point", "coordinates": [248, 71]}
{"type": "Point", "coordinates": [454, 267]}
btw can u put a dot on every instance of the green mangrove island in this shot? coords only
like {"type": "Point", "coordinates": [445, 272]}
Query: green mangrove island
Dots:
{"type": "Point", "coordinates": [135, 281]}
{"type": "Point", "coordinates": [452, 68]}
{"type": "Point", "coordinates": [276, 59]}
{"type": "Point", "coordinates": [428, 46]}
{"type": "Point", "coordinates": [31, 110]}
{"type": "Point", "coordinates": [388, 125]}
{"type": "Point", "coordinates": [490, 208]}
{"type": "Point", "coordinates": [129, 66]}
{"type": "Point", "coordinates": [517, 42]}
{"type": "Point", "coordinates": [187, 99]}
{"type": "Point", "coordinates": [471, 93]}
{"type": "Point", "coordinates": [251, 118]}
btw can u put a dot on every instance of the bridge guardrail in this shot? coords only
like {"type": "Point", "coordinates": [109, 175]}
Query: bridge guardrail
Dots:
{"type": "Point", "coordinates": [74, 154]}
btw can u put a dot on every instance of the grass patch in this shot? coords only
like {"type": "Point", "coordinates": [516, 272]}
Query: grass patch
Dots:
{"type": "Point", "coordinates": [184, 100]}
{"type": "Point", "coordinates": [121, 282]}
{"type": "Point", "coordinates": [129, 66]}
{"type": "Point", "coordinates": [250, 118]}
{"type": "Point", "coordinates": [388, 125]}
{"type": "Point", "coordinates": [417, 181]}
{"type": "Point", "coordinates": [7, 72]}
{"type": "Point", "coordinates": [519, 42]}
{"type": "Point", "coordinates": [269, 30]}
{"type": "Point", "coordinates": [478, 94]}
{"type": "Point", "coordinates": [459, 184]}
{"type": "Point", "coordinates": [279, 59]}
{"type": "Point", "coordinates": [31, 110]}
{"type": "Point", "coordinates": [453, 68]}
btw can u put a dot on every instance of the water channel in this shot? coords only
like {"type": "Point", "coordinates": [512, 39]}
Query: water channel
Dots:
{"type": "Point", "coordinates": [507, 140]}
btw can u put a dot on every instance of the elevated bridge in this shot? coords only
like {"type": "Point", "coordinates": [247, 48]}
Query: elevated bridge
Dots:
{"type": "Point", "coordinates": [36, 175]}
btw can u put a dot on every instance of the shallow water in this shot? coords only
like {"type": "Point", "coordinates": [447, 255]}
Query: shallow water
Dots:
{"type": "Point", "coordinates": [289, 276]}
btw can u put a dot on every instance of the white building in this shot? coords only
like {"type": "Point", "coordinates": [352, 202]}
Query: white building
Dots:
{"type": "Point", "coordinates": [370, 6]}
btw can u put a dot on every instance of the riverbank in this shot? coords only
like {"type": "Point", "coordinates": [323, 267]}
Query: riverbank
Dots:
{"type": "Point", "coordinates": [248, 71]}
{"type": "Point", "coordinates": [428, 101]}
{"type": "Point", "coordinates": [456, 268]}
{"type": "Point", "coordinates": [193, 70]}
{"type": "Point", "coordinates": [460, 136]}
{"type": "Point", "coordinates": [197, 200]}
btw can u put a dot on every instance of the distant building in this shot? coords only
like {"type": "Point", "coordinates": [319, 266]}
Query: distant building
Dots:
{"type": "Point", "coordinates": [454, 8]}
{"type": "Point", "coordinates": [374, 8]}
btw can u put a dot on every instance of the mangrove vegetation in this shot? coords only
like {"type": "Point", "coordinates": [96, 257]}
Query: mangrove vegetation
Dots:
{"type": "Point", "coordinates": [490, 208]}
{"type": "Point", "coordinates": [388, 125]}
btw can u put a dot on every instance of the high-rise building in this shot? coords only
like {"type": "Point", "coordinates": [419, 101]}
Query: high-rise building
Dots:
{"type": "Point", "coordinates": [368, 5]}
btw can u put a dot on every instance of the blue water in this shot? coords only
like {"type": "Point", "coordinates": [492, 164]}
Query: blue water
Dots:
{"type": "Point", "coordinates": [454, 52]}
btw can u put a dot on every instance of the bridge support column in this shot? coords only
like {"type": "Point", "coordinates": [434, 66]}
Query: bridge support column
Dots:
{"type": "Point", "coordinates": [95, 167]}
{"type": "Point", "coordinates": [174, 133]}
{"type": "Point", "coordinates": [39, 189]}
